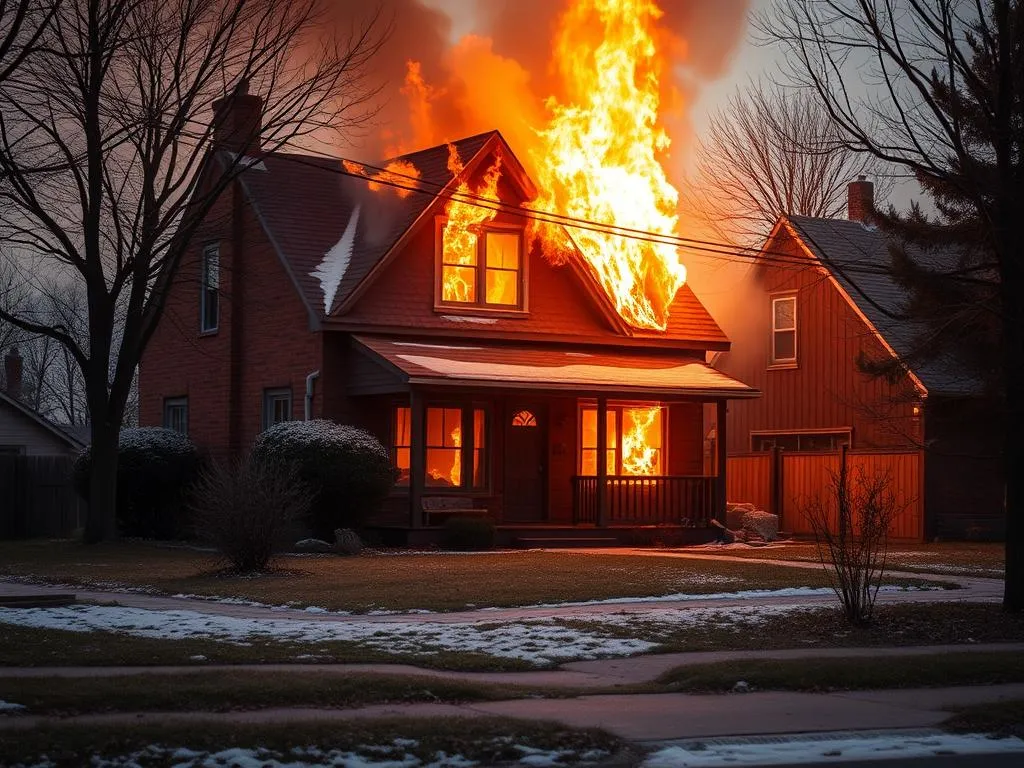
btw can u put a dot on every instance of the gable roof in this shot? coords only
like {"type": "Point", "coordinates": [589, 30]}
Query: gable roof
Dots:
{"type": "Point", "coordinates": [857, 257]}
{"type": "Point", "coordinates": [64, 433]}
{"type": "Point", "coordinates": [334, 235]}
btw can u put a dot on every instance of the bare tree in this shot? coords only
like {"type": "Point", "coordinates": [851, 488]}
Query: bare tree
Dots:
{"type": "Point", "coordinates": [109, 160]}
{"type": "Point", "coordinates": [945, 102]}
{"type": "Point", "coordinates": [769, 151]}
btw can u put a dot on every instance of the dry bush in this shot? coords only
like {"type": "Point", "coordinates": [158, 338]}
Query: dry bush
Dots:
{"type": "Point", "coordinates": [851, 527]}
{"type": "Point", "coordinates": [244, 507]}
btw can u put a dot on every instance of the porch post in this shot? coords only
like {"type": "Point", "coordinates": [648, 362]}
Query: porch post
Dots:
{"type": "Point", "coordinates": [417, 458]}
{"type": "Point", "coordinates": [721, 443]}
{"type": "Point", "coordinates": [602, 462]}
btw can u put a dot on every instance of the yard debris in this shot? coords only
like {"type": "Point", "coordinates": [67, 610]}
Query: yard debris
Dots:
{"type": "Point", "coordinates": [746, 523]}
{"type": "Point", "coordinates": [313, 545]}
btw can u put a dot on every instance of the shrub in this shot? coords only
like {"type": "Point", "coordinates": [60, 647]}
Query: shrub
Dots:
{"type": "Point", "coordinates": [468, 534]}
{"type": "Point", "coordinates": [244, 508]}
{"type": "Point", "coordinates": [155, 469]}
{"type": "Point", "coordinates": [851, 528]}
{"type": "Point", "coordinates": [347, 470]}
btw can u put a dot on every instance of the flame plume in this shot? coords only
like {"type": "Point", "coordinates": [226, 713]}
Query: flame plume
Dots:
{"type": "Point", "coordinates": [598, 157]}
{"type": "Point", "coordinates": [640, 452]}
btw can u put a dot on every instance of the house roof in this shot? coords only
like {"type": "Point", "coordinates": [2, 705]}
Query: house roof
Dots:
{"type": "Point", "coordinates": [544, 368]}
{"type": "Point", "coordinates": [858, 258]}
{"type": "Point", "coordinates": [334, 235]}
{"type": "Point", "coordinates": [65, 433]}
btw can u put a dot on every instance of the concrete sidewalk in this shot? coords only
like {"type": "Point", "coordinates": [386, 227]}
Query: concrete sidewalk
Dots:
{"type": "Point", "coordinates": [638, 717]}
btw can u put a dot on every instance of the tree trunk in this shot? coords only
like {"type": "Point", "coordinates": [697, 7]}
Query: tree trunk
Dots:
{"type": "Point", "coordinates": [101, 522]}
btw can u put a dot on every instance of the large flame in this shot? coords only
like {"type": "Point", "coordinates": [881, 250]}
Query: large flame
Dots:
{"type": "Point", "coordinates": [641, 441]}
{"type": "Point", "coordinates": [598, 157]}
{"type": "Point", "coordinates": [461, 231]}
{"type": "Point", "coordinates": [399, 176]}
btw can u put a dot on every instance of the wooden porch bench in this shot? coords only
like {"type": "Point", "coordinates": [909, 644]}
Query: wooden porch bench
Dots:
{"type": "Point", "coordinates": [437, 509]}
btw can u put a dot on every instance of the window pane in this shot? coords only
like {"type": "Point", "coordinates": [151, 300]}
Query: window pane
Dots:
{"type": "Point", "coordinates": [785, 345]}
{"type": "Point", "coordinates": [502, 287]}
{"type": "Point", "coordinates": [435, 427]}
{"type": "Point", "coordinates": [588, 462]}
{"type": "Point", "coordinates": [211, 268]}
{"type": "Point", "coordinates": [453, 427]}
{"type": "Point", "coordinates": [479, 446]}
{"type": "Point", "coordinates": [403, 426]}
{"type": "Point", "coordinates": [403, 461]}
{"type": "Point", "coordinates": [503, 250]}
{"type": "Point", "coordinates": [459, 247]}
{"type": "Point", "coordinates": [282, 409]}
{"type": "Point", "coordinates": [458, 284]}
{"type": "Point", "coordinates": [785, 314]}
{"type": "Point", "coordinates": [589, 424]}
{"type": "Point", "coordinates": [642, 441]}
{"type": "Point", "coordinates": [444, 467]}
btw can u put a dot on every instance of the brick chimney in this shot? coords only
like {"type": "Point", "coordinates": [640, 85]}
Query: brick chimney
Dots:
{"type": "Point", "coordinates": [12, 372]}
{"type": "Point", "coordinates": [238, 120]}
{"type": "Point", "coordinates": [860, 200]}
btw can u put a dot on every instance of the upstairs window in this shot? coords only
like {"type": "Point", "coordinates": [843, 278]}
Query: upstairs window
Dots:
{"type": "Point", "coordinates": [482, 269]}
{"type": "Point", "coordinates": [277, 406]}
{"type": "Point", "coordinates": [209, 297]}
{"type": "Point", "coordinates": [176, 414]}
{"type": "Point", "coordinates": [783, 341]}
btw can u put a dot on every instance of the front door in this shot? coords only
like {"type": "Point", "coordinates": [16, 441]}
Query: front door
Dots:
{"type": "Point", "coordinates": [525, 464]}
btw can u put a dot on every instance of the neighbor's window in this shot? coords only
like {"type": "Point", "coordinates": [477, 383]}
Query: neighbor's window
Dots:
{"type": "Point", "coordinates": [482, 270]}
{"type": "Point", "coordinates": [783, 330]}
{"type": "Point", "coordinates": [277, 406]}
{"type": "Point", "coordinates": [176, 414]}
{"type": "Point", "coordinates": [455, 447]}
{"type": "Point", "coordinates": [636, 440]}
{"type": "Point", "coordinates": [801, 441]}
{"type": "Point", "coordinates": [209, 297]}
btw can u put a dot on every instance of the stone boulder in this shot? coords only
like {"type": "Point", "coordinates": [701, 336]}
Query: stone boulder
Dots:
{"type": "Point", "coordinates": [312, 545]}
{"type": "Point", "coordinates": [734, 514]}
{"type": "Point", "coordinates": [347, 542]}
{"type": "Point", "coordinates": [765, 525]}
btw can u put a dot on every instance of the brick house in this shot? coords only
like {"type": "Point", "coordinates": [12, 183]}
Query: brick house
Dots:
{"type": "Point", "coordinates": [311, 293]}
{"type": "Point", "coordinates": [822, 299]}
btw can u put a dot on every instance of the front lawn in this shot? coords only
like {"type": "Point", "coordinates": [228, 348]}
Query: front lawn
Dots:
{"type": "Point", "coordinates": [398, 582]}
{"type": "Point", "coordinates": [946, 558]}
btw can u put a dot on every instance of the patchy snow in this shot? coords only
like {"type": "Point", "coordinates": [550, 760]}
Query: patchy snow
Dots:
{"type": "Point", "coordinates": [813, 750]}
{"type": "Point", "coordinates": [9, 706]}
{"type": "Point", "coordinates": [470, 319]}
{"type": "Point", "coordinates": [541, 642]}
{"type": "Point", "coordinates": [332, 269]}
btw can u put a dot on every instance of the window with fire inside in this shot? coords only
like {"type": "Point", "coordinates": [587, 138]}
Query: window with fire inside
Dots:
{"type": "Point", "coordinates": [456, 446]}
{"type": "Point", "coordinates": [635, 442]}
{"type": "Point", "coordinates": [480, 266]}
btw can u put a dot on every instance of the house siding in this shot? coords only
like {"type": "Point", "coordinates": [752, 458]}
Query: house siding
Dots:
{"type": "Point", "coordinates": [825, 390]}
{"type": "Point", "coordinates": [19, 431]}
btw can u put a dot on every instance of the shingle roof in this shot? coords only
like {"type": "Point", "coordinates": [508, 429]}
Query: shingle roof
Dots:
{"type": "Point", "coordinates": [858, 257]}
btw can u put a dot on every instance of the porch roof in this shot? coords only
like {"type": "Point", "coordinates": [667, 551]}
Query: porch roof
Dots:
{"type": "Point", "coordinates": [546, 368]}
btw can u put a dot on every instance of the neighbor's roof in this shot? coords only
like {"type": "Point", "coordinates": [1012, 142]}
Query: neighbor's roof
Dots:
{"type": "Point", "coordinates": [858, 258]}
{"type": "Point", "coordinates": [65, 433]}
{"type": "Point", "coordinates": [537, 367]}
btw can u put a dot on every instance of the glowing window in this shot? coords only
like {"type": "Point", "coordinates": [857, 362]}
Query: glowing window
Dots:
{"type": "Point", "coordinates": [783, 330]}
{"type": "Point", "coordinates": [501, 271]}
{"type": "Point", "coordinates": [524, 419]}
{"type": "Point", "coordinates": [479, 437]}
{"type": "Point", "coordinates": [444, 447]}
{"type": "Point", "coordinates": [459, 268]}
{"type": "Point", "coordinates": [483, 269]}
{"type": "Point", "coordinates": [403, 444]}
{"type": "Point", "coordinates": [636, 439]}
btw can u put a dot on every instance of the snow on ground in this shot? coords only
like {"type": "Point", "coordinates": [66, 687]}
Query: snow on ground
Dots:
{"type": "Point", "coordinates": [7, 707]}
{"type": "Point", "coordinates": [709, 755]}
{"type": "Point", "coordinates": [542, 640]}
{"type": "Point", "coordinates": [394, 755]}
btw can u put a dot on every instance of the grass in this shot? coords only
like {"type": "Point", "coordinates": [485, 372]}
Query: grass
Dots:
{"type": "Point", "coordinates": [1002, 718]}
{"type": "Point", "coordinates": [439, 582]}
{"type": "Point", "coordinates": [850, 674]}
{"type": "Point", "coordinates": [488, 741]}
{"type": "Point", "coordinates": [943, 558]}
{"type": "Point", "coordinates": [223, 690]}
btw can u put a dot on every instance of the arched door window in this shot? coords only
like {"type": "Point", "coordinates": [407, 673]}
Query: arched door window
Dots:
{"type": "Point", "coordinates": [524, 419]}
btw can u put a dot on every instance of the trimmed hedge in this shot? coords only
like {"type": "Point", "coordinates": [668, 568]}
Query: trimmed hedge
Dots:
{"type": "Point", "coordinates": [347, 469]}
{"type": "Point", "coordinates": [156, 468]}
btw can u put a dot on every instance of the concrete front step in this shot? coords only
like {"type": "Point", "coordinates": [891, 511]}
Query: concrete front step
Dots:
{"type": "Point", "coordinates": [547, 542]}
{"type": "Point", "coordinates": [36, 601]}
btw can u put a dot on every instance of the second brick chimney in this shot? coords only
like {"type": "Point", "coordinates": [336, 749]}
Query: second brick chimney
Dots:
{"type": "Point", "coordinates": [238, 120]}
{"type": "Point", "coordinates": [860, 200]}
{"type": "Point", "coordinates": [12, 372]}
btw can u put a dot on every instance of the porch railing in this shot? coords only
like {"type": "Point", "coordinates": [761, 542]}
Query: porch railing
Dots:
{"type": "Point", "coordinates": [648, 499]}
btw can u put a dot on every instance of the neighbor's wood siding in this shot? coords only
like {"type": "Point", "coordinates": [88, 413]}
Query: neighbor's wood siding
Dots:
{"type": "Point", "coordinates": [825, 390]}
{"type": "Point", "coordinates": [19, 431]}
{"type": "Point", "coordinates": [748, 480]}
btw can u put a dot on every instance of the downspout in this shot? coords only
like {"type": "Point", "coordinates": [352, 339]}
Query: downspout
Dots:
{"type": "Point", "coordinates": [309, 394]}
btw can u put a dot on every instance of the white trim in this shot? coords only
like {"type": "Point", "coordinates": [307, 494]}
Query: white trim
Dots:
{"type": "Point", "coordinates": [774, 360]}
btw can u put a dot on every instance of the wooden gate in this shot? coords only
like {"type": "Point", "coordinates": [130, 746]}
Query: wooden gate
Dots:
{"type": "Point", "coordinates": [37, 498]}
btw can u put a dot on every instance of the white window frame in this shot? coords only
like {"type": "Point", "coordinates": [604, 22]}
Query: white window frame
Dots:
{"type": "Point", "coordinates": [211, 256]}
{"type": "Point", "coordinates": [775, 360]}
{"type": "Point", "coordinates": [174, 403]}
{"type": "Point", "coordinates": [272, 396]}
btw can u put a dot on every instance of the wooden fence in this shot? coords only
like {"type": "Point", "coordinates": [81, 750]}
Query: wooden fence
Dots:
{"type": "Point", "coordinates": [785, 483]}
{"type": "Point", "coordinates": [37, 499]}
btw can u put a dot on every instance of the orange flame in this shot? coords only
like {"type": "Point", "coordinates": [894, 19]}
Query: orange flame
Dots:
{"type": "Point", "coordinates": [598, 157]}
{"type": "Point", "coordinates": [641, 441]}
{"type": "Point", "coordinates": [400, 172]}
{"type": "Point", "coordinates": [461, 231]}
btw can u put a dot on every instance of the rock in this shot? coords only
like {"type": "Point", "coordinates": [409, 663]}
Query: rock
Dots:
{"type": "Point", "coordinates": [734, 514]}
{"type": "Point", "coordinates": [742, 686]}
{"type": "Point", "coordinates": [347, 542]}
{"type": "Point", "coordinates": [762, 524]}
{"type": "Point", "coordinates": [312, 545]}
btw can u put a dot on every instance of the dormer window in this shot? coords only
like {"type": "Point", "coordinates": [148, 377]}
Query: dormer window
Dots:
{"type": "Point", "coordinates": [482, 268]}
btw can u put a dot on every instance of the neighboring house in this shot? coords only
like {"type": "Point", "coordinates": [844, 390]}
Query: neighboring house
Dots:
{"type": "Point", "coordinates": [312, 294]}
{"type": "Point", "coordinates": [821, 298]}
{"type": "Point", "coordinates": [35, 465]}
